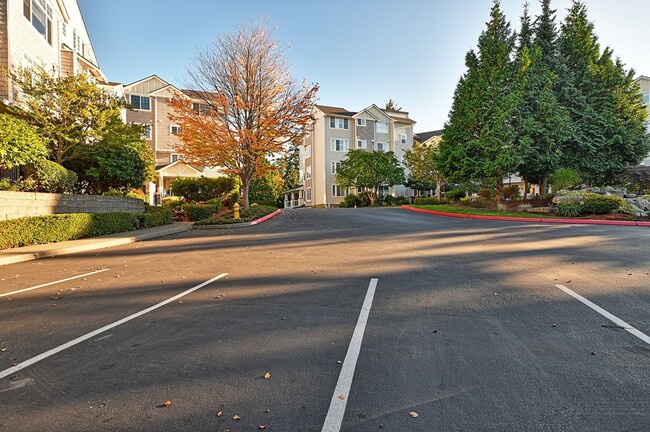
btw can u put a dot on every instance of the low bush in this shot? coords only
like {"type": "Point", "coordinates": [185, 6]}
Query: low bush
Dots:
{"type": "Point", "coordinates": [401, 200]}
{"type": "Point", "coordinates": [388, 199]}
{"type": "Point", "coordinates": [268, 203]}
{"type": "Point", "coordinates": [253, 213]}
{"type": "Point", "coordinates": [197, 212]}
{"type": "Point", "coordinates": [486, 193]}
{"type": "Point", "coordinates": [364, 199]}
{"type": "Point", "coordinates": [56, 228]}
{"type": "Point", "coordinates": [430, 201]}
{"type": "Point", "coordinates": [350, 200]}
{"type": "Point", "coordinates": [202, 189]}
{"type": "Point", "coordinates": [51, 177]}
{"type": "Point", "coordinates": [455, 195]}
{"type": "Point", "coordinates": [524, 207]}
{"type": "Point", "coordinates": [511, 192]}
{"type": "Point", "coordinates": [502, 207]}
{"type": "Point", "coordinates": [600, 204]}
{"type": "Point", "coordinates": [569, 210]}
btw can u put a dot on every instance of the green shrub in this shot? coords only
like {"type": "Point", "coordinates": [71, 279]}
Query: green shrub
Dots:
{"type": "Point", "coordinates": [197, 212]}
{"type": "Point", "coordinates": [350, 200]}
{"type": "Point", "coordinates": [401, 200]}
{"type": "Point", "coordinates": [155, 216]}
{"type": "Point", "coordinates": [268, 203]}
{"type": "Point", "coordinates": [480, 203]}
{"type": "Point", "coordinates": [171, 201]}
{"type": "Point", "coordinates": [51, 177]}
{"type": "Point", "coordinates": [5, 184]}
{"type": "Point", "coordinates": [233, 198]}
{"type": "Point", "coordinates": [511, 192]}
{"type": "Point", "coordinates": [600, 204]}
{"type": "Point", "coordinates": [388, 199]}
{"type": "Point", "coordinates": [455, 195]}
{"type": "Point", "coordinates": [249, 215]}
{"type": "Point", "coordinates": [568, 210]}
{"type": "Point", "coordinates": [137, 194]}
{"type": "Point", "coordinates": [486, 193]}
{"type": "Point", "coordinates": [56, 228]}
{"type": "Point", "coordinates": [202, 189]}
{"type": "Point", "coordinates": [502, 207]}
{"type": "Point", "coordinates": [430, 201]}
{"type": "Point", "coordinates": [364, 199]}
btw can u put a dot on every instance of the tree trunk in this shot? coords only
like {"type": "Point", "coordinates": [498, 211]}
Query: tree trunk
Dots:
{"type": "Point", "coordinates": [526, 187]}
{"type": "Point", "coordinates": [542, 186]}
{"type": "Point", "coordinates": [245, 185]}
{"type": "Point", "coordinates": [371, 196]}
{"type": "Point", "coordinates": [499, 190]}
{"type": "Point", "coordinates": [439, 184]}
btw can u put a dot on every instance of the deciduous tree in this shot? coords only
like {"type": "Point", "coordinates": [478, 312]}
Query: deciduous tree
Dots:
{"type": "Point", "coordinates": [368, 171]}
{"type": "Point", "coordinates": [19, 143]}
{"type": "Point", "coordinates": [250, 106]}
{"type": "Point", "coordinates": [423, 164]}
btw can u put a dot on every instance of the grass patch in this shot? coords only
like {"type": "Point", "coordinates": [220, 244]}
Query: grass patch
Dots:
{"type": "Point", "coordinates": [474, 211]}
{"type": "Point", "coordinates": [254, 213]}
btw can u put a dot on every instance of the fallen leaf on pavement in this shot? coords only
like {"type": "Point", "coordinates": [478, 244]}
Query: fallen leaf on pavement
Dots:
{"type": "Point", "coordinates": [339, 362]}
{"type": "Point", "coordinates": [261, 427]}
{"type": "Point", "coordinates": [342, 397]}
{"type": "Point", "coordinates": [168, 403]}
{"type": "Point", "coordinates": [569, 281]}
{"type": "Point", "coordinates": [267, 375]}
{"type": "Point", "coordinates": [236, 417]}
{"type": "Point", "coordinates": [219, 413]}
{"type": "Point", "coordinates": [413, 414]}
{"type": "Point", "coordinates": [3, 349]}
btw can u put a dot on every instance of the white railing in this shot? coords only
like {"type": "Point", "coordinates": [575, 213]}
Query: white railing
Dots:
{"type": "Point", "coordinates": [293, 203]}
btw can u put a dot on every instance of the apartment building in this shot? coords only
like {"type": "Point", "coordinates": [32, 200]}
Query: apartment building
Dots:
{"type": "Point", "coordinates": [148, 98]}
{"type": "Point", "coordinates": [337, 130]}
{"type": "Point", "coordinates": [644, 86]}
{"type": "Point", "coordinates": [47, 33]}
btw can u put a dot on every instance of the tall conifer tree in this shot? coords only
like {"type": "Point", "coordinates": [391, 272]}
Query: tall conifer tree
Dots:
{"type": "Point", "coordinates": [478, 138]}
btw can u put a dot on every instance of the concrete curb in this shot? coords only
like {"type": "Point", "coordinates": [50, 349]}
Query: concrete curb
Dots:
{"type": "Point", "coordinates": [238, 225]}
{"type": "Point", "coordinates": [30, 253]}
{"type": "Point", "coordinates": [529, 220]}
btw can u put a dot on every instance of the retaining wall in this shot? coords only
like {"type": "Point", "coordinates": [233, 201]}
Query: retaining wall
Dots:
{"type": "Point", "coordinates": [14, 205]}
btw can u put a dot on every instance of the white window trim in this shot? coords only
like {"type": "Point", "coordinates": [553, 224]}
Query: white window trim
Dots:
{"type": "Point", "coordinates": [333, 144]}
{"type": "Point", "coordinates": [335, 167]}
{"type": "Point", "coordinates": [147, 127]}
{"type": "Point", "coordinates": [308, 172]}
{"type": "Point", "coordinates": [361, 122]}
{"type": "Point", "coordinates": [336, 123]}
{"type": "Point", "coordinates": [140, 96]}
{"type": "Point", "coordinates": [308, 194]}
{"type": "Point", "coordinates": [384, 146]}
{"type": "Point", "coordinates": [308, 151]}
{"type": "Point", "coordinates": [174, 155]}
{"type": "Point", "coordinates": [364, 146]}
{"type": "Point", "coordinates": [403, 138]}
{"type": "Point", "coordinates": [171, 129]}
{"type": "Point", "coordinates": [382, 123]}
{"type": "Point", "coordinates": [338, 188]}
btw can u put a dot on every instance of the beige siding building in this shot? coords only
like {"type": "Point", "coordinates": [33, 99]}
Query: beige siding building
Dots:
{"type": "Point", "coordinates": [148, 98]}
{"type": "Point", "coordinates": [46, 33]}
{"type": "Point", "coordinates": [644, 85]}
{"type": "Point", "coordinates": [334, 132]}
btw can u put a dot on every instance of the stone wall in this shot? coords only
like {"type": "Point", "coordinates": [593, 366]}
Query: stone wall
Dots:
{"type": "Point", "coordinates": [15, 205]}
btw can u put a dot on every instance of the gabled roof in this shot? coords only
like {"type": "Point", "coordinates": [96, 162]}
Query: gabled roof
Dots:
{"type": "Point", "coordinates": [335, 111]}
{"type": "Point", "coordinates": [426, 136]}
{"type": "Point", "coordinates": [642, 77]}
{"type": "Point", "coordinates": [178, 162]}
{"type": "Point", "coordinates": [146, 79]}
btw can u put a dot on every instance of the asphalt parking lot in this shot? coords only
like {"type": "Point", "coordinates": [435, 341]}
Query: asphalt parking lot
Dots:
{"type": "Point", "coordinates": [335, 319]}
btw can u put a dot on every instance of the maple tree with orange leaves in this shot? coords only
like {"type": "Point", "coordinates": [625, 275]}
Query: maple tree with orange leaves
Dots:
{"type": "Point", "coordinates": [245, 106]}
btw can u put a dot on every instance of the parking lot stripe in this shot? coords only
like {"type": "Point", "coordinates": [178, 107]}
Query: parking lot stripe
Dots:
{"type": "Point", "coordinates": [53, 283]}
{"type": "Point", "coordinates": [616, 320]}
{"type": "Point", "coordinates": [336, 411]}
{"type": "Point", "coordinates": [94, 333]}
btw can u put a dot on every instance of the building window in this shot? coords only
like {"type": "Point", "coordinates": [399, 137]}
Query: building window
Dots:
{"type": "Point", "coordinates": [64, 29]}
{"type": "Point", "coordinates": [382, 127]}
{"type": "Point", "coordinates": [335, 167]}
{"type": "Point", "coordinates": [339, 145]}
{"type": "Point", "coordinates": [175, 130]}
{"type": "Point", "coordinates": [361, 144]}
{"type": "Point", "coordinates": [382, 147]}
{"type": "Point", "coordinates": [141, 102]}
{"type": "Point", "coordinates": [308, 173]}
{"type": "Point", "coordinates": [147, 131]}
{"type": "Point", "coordinates": [383, 191]}
{"type": "Point", "coordinates": [361, 122]}
{"type": "Point", "coordinates": [339, 123]}
{"type": "Point", "coordinates": [201, 109]}
{"type": "Point", "coordinates": [39, 14]}
{"type": "Point", "coordinates": [338, 191]}
{"type": "Point", "coordinates": [308, 194]}
{"type": "Point", "coordinates": [175, 157]}
{"type": "Point", "coordinates": [307, 151]}
{"type": "Point", "coordinates": [646, 98]}
{"type": "Point", "coordinates": [402, 138]}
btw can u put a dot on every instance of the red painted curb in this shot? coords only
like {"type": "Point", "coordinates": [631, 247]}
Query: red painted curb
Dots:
{"type": "Point", "coordinates": [267, 217]}
{"type": "Point", "coordinates": [535, 220]}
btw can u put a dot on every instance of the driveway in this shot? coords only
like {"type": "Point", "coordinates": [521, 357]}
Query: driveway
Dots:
{"type": "Point", "coordinates": [335, 319]}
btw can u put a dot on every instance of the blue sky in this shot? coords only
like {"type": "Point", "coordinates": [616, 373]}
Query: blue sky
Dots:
{"type": "Point", "coordinates": [360, 52]}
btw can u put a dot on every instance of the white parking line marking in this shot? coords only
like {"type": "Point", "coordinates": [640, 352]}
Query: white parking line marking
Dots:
{"type": "Point", "coordinates": [53, 283]}
{"type": "Point", "coordinates": [94, 333]}
{"type": "Point", "coordinates": [616, 320]}
{"type": "Point", "coordinates": [339, 401]}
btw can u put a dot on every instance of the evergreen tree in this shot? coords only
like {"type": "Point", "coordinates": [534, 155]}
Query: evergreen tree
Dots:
{"type": "Point", "coordinates": [541, 121]}
{"type": "Point", "coordinates": [607, 115]}
{"type": "Point", "coordinates": [479, 137]}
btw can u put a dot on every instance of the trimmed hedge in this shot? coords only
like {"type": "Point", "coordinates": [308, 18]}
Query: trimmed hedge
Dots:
{"type": "Point", "coordinates": [600, 204]}
{"type": "Point", "coordinates": [430, 201]}
{"type": "Point", "coordinates": [56, 228]}
{"type": "Point", "coordinates": [202, 189]}
{"type": "Point", "coordinates": [254, 213]}
{"type": "Point", "coordinates": [197, 212]}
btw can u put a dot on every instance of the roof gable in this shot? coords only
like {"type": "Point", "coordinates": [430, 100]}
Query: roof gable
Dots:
{"type": "Point", "coordinates": [146, 85]}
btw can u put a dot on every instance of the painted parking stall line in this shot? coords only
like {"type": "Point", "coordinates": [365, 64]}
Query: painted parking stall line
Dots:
{"type": "Point", "coordinates": [616, 320]}
{"type": "Point", "coordinates": [336, 411]}
{"type": "Point", "coordinates": [94, 333]}
{"type": "Point", "coordinates": [53, 283]}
